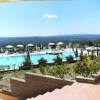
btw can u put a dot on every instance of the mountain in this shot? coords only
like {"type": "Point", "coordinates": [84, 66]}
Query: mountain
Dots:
{"type": "Point", "coordinates": [46, 39]}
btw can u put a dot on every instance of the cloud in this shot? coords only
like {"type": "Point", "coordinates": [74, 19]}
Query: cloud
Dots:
{"type": "Point", "coordinates": [46, 15]}
{"type": "Point", "coordinates": [52, 16]}
{"type": "Point", "coordinates": [49, 16]}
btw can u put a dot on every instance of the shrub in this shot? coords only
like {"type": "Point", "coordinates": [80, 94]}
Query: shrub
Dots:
{"type": "Point", "coordinates": [98, 61]}
{"type": "Point", "coordinates": [33, 70]}
{"type": "Point", "coordinates": [92, 57]}
{"type": "Point", "coordinates": [82, 68]}
{"type": "Point", "coordinates": [70, 58]}
{"type": "Point", "coordinates": [94, 66]}
{"type": "Point", "coordinates": [82, 57]}
{"type": "Point", "coordinates": [42, 70]}
{"type": "Point", "coordinates": [18, 75]}
{"type": "Point", "coordinates": [58, 60]}
{"type": "Point", "coordinates": [86, 68]}
{"type": "Point", "coordinates": [57, 70]}
{"type": "Point", "coordinates": [42, 62]}
{"type": "Point", "coordinates": [60, 71]}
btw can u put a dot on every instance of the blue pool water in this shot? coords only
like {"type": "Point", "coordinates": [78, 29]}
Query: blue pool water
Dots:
{"type": "Point", "coordinates": [17, 60]}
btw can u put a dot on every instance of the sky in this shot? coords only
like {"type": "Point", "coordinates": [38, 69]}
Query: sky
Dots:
{"type": "Point", "coordinates": [47, 18]}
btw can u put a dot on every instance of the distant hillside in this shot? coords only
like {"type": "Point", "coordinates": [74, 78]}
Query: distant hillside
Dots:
{"type": "Point", "coordinates": [46, 39]}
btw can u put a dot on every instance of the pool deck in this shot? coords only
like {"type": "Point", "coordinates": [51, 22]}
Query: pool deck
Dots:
{"type": "Point", "coordinates": [36, 52]}
{"type": "Point", "coordinates": [19, 54]}
{"type": "Point", "coordinates": [41, 52]}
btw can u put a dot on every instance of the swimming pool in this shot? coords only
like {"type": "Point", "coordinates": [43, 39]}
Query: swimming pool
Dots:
{"type": "Point", "coordinates": [18, 59]}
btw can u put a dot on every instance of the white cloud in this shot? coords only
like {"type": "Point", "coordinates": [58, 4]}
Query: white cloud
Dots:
{"type": "Point", "coordinates": [50, 16]}
{"type": "Point", "coordinates": [46, 15]}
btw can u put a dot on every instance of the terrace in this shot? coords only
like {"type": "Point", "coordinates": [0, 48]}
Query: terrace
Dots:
{"type": "Point", "coordinates": [57, 71]}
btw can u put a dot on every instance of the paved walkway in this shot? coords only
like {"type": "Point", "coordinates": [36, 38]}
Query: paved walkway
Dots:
{"type": "Point", "coordinates": [7, 97]}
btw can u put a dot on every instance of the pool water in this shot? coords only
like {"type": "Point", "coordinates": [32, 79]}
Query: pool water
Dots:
{"type": "Point", "coordinates": [17, 60]}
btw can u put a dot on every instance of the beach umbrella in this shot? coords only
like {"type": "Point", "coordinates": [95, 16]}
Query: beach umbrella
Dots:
{"type": "Point", "coordinates": [30, 45]}
{"type": "Point", "coordinates": [51, 44]}
{"type": "Point", "coordinates": [9, 46]}
{"type": "Point", "coordinates": [60, 43]}
{"type": "Point", "coordinates": [20, 46]}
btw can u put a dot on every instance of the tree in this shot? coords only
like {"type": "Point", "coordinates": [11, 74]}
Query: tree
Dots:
{"type": "Point", "coordinates": [76, 53]}
{"type": "Point", "coordinates": [27, 64]}
{"type": "Point", "coordinates": [90, 43]}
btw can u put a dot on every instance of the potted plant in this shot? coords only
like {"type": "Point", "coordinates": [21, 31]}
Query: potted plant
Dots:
{"type": "Point", "coordinates": [70, 58]}
{"type": "Point", "coordinates": [42, 62]}
{"type": "Point", "coordinates": [58, 60]}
